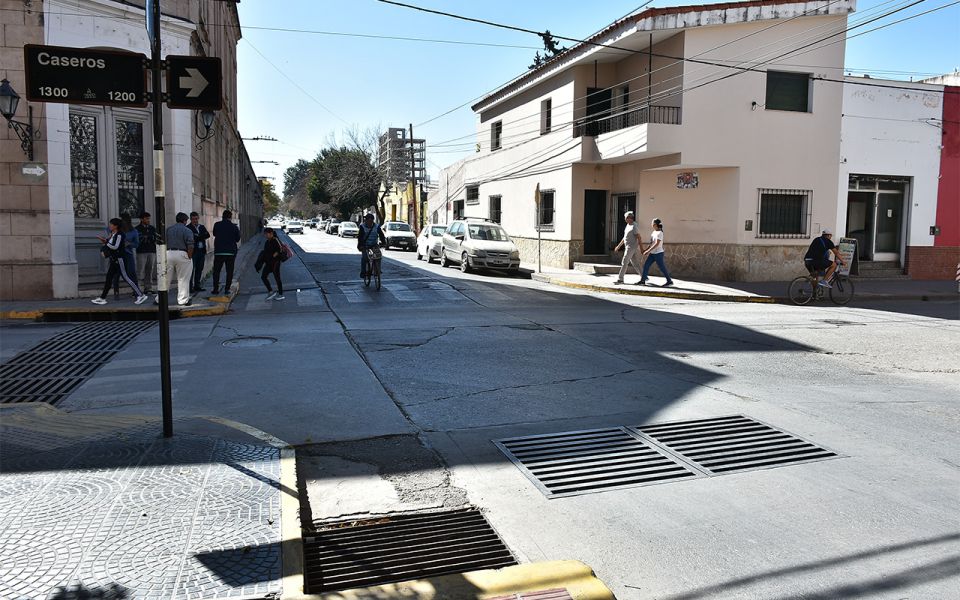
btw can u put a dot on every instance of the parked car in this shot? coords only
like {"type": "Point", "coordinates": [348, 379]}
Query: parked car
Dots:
{"type": "Point", "coordinates": [294, 226]}
{"type": "Point", "coordinates": [348, 229]}
{"type": "Point", "coordinates": [479, 244]}
{"type": "Point", "coordinates": [399, 235]}
{"type": "Point", "coordinates": [332, 226]}
{"type": "Point", "coordinates": [312, 223]}
{"type": "Point", "coordinates": [430, 242]}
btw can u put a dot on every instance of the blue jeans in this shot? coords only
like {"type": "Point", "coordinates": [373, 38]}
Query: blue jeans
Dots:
{"type": "Point", "coordinates": [655, 258]}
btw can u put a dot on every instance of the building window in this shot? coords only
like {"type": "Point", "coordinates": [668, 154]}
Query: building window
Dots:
{"type": "Point", "coordinates": [473, 194]}
{"type": "Point", "coordinates": [496, 135]}
{"type": "Point", "coordinates": [458, 209]}
{"type": "Point", "coordinates": [788, 91]}
{"type": "Point", "coordinates": [84, 166]}
{"type": "Point", "coordinates": [546, 213]}
{"type": "Point", "coordinates": [130, 178]}
{"type": "Point", "coordinates": [784, 213]}
{"type": "Point", "coordinates": [495, 210]}
{"type": "Point", "coordinates": [546, 116]}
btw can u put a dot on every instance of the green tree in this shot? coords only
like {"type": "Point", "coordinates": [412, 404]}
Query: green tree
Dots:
{"type": "Point", "coordinates": [296, 194]}
{"type": "Point", "coordinates": [345, 179]}
{"type": "Point", "coordinates": [271, 201]}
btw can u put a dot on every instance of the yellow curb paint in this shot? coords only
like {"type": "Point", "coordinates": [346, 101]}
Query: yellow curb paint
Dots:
{"type": "Point", "coordinates": [21, 314]}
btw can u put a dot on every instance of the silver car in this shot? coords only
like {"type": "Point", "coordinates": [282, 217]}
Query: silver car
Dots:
{"type": "Point", "coordinates": [430, 242]}
{"type": "Point", "coordinates": [479, 244]}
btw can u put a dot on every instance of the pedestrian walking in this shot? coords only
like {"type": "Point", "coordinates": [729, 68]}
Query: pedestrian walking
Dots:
{"type": "Point", "coordinates": [200, 237]}
{"type": "Point", "coordinates": [631, 246]}
{"type": "Point", "coordinates": [114, 249]}
{"type": "Point", "coordinates": [147, 254]}
{"type": "Point", "coordinates": [270, 259]}
{"type": "Point", "coordinates": [654, 254]}
{"type": "Point", "coordinates": [226, 240]}
{"type": "Point", "coordinates": [179, 239]}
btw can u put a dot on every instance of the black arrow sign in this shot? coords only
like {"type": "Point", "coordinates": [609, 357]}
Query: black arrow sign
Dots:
{"type": "Point", "coordinates": [194, 82]}
{"type": "Point", "coordinates": [84, 76]}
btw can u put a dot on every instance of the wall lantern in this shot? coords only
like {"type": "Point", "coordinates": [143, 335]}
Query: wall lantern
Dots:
{"type": "Point", "coordinates": [9, 100]}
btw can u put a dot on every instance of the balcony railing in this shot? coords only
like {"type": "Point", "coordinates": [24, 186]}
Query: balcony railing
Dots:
{"type": "Point", "coordinates": [598, 125]}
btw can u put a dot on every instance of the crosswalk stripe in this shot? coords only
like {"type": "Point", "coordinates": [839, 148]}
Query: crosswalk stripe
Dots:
{"type": "Point", "coordinates": [310, 298]}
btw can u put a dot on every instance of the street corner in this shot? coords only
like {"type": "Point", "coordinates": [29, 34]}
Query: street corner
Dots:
{"type": "Point", "coordinates": [682, 290]}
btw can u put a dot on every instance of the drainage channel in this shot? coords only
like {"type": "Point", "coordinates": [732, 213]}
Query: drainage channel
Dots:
{"type": "Point", "coordinates": [390, 549]}
{"type": "Point", "coordinates": [53, 369]}
{"type": "Point", "coordinates": [579, 462]}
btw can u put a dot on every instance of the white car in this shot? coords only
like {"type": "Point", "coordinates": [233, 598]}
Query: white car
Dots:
{"type": "Point", "coordinates": [479, 244]}
{"type": "Point", "coordinates": [430, 242]}
{"type": "Point", "coordinates": [399, 235]}
{"type": "Point", "coordinates": [294, 226]}
{"type": "Point", "coordinates": [348, 229]}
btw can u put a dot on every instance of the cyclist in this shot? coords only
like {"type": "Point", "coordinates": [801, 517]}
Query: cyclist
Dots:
{"type": "Point", "coordinates": [818, 257]}
{"type": "Point", "coordinates": [369, 236]}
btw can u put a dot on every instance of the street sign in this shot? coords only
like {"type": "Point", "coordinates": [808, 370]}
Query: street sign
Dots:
{"type": "Point", "coordinates": [33, 171]}
{"type": "Point", "coordinates": [194, 82]}
{"type": "Point", "coordinates": [84, 76]}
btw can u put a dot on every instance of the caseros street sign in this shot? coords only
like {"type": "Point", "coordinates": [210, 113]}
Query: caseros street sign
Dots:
{"type": "Point", "coordinates": [194, 82]}
{"type": "Point", "coordinates": [84, 76]}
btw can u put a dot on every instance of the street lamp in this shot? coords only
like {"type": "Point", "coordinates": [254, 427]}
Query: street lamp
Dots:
{"type": "Point", "coordinates": [9, 100]}
{"type": "Point", "coordinates": [205, 118]}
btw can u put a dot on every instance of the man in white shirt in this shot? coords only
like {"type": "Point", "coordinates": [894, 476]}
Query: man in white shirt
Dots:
{"type": "Point", "coordinates": [631, 246]}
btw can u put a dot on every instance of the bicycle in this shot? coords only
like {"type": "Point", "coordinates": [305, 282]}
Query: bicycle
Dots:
{"type": "Point", "coordinates": [374, 256]}
{"type": "Point", "coordinates": [804, 289]}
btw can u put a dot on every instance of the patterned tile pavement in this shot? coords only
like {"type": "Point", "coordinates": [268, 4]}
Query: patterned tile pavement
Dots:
{"type": "Point", "coordinates": [102, 505]}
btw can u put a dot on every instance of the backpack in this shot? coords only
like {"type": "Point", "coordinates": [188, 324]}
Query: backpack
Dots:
{"type": "Point", "coordinates": [287, 252]}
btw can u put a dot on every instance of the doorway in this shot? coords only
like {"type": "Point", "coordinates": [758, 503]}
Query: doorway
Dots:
{"type": "Point", "coordinates": [624, 202]}
{"type": "Point", "coordinates": [599, 106]}
{"type": "Point", "coordinates": [876, 216]}
{"type": "Point", "coordinates": [594, 222]}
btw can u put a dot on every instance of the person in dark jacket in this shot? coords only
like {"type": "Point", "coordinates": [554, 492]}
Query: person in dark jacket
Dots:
{"type": "Point", "coordinates": [226, 240]}
{"type": "Point", "coordinates": [131, 241]}
{"type": "Point", "coordinates": [271, 258]}
{"type": "Point", "coordinates": [147, 253]}
{"type": "Point", "coordinates": [200, 237]}
{"type": "Point", "coordinates": [115, 250]}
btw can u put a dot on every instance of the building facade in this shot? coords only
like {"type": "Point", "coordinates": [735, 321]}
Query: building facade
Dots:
{"type": "Point", "coordinates": [657, 114]}
{"type": "Point", "coordinates": [98, 160]}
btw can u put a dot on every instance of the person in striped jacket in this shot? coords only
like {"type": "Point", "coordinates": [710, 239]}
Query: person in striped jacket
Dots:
{"type": "Point", "coordinates": [113, 248]}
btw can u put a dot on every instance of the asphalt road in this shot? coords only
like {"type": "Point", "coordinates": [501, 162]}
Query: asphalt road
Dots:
{"type": "Point", "coordinates": [454, 361]}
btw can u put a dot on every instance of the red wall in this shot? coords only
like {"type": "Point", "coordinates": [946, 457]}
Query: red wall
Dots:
{"type": "Point", "coordinates": [948, 194]}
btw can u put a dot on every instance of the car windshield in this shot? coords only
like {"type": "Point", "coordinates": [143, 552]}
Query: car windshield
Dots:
{"type": "Point", "coordinates": [349, 225]}
{"type": "Point", "coordinates": [437, 230]}
{"type": "Point", "coordinates": [398, 227]}
{"type": "Point", "coordinates": [490, 233]}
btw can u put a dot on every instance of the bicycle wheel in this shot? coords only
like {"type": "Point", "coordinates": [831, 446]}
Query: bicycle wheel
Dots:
{"type": "Point", "coordinates": [801, 290]}
{"type": "Point", "coordinates": [376, 273]}
{"type": "Point", "coordinates": [842, 290]}
{"type": "Point", "coordinates": [367, 274]}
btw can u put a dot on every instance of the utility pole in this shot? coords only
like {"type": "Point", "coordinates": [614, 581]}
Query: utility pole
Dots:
{"type": "Point", "coordinates": [413, 183]}
{"type": "Point", "coordinates": [153, 27]}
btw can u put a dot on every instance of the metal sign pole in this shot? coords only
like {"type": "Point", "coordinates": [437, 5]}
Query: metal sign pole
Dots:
{"type": "Point", "coordinates": [163, 284]}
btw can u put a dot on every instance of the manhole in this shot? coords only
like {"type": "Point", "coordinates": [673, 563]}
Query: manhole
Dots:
{"type": "Point", "coordinates": [577, 462]}
{"type": "Point", "coordinates": [51, 370]}
{"type": "Point", "coordinates": [733, 443]}
{"type": "Point", "coordinates": [400, 548]}
{"type": "Point", "coordinates": [250, 342]}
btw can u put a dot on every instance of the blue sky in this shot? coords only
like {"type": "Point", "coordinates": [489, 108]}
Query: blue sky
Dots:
{"type": "Point", "coordinates": [342, 81]}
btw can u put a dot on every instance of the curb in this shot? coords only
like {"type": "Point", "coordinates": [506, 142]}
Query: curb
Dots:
{"type": "Point", "coordinates": [657, 294]}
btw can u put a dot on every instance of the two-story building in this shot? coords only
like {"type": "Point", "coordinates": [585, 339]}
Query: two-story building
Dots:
{"type": "Point", "coordinates": [722, 120]}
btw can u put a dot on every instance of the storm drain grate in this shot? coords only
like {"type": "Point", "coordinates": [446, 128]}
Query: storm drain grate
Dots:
{"type": "Point", "coordinates": [733, 443]}
{"type": "Point", "coordinates": [51, 370]}
{"type": "Point", "coordinates": [553, 594]}
{"type": "Point", "coordinates": [401, 548]}
{"type": "Point", "coordinates": [578, 462]}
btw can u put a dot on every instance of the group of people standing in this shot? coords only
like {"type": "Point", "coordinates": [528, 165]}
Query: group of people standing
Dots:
{"type": "Point", "coordinates": [132, 250]}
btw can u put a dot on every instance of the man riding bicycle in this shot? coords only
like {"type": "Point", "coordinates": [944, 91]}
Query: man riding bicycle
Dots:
{"type": "Point", "coordinates": [818, 257]}
{"type": "Point", "coordinates": [370, 236]}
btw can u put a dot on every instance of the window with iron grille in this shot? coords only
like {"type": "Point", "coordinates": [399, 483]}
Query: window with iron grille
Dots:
{"type": "Point", "coordinates": [473, 194]}
{"type": "Point", "coordinates": [784, 213]}
{"type": "Point", "coordinates": [788, 91]}
{"type": "Point", "coordinates": [545, 215]}
{"type": "Point", "coordinates": [496, 134]}
{"type": "Point", "coordinates": [495, 210]}
{"type": "Point", "coordinates": [546, 116]}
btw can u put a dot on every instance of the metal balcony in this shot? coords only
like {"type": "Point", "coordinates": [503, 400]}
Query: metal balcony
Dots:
{"type": "Point", "coordinates": [598, 125]}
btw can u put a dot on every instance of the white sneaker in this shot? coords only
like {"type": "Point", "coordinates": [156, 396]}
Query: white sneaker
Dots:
{"type": "Point", "coordinates": [279, 297]}
{"type": "Point", "coordinates": [824, 284]}
{"type": "Point", "coordinates": [141, 299]}
{"type": "Point", "coordinates": [99, 300]}
{"type": "Point", "coordinates": [271, 295]}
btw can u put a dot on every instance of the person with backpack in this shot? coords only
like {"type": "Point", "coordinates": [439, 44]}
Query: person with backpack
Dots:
{"type": "Point", "coordinates": [272, 256]}
{"type": "Point", "coordinates": [114, 248]}
{"type": "Point", "coordinates": [370, 236]}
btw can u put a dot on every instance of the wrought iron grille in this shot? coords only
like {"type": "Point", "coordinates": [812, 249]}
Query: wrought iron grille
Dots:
{"type": "Point", "coordinates": [84, 166]}
{"type": "Point", "coordinates": [666, 115]}
{"type": "Point", "coordinates": [783, 213]}
{"type": "Point", "coordinates": [130, 177]}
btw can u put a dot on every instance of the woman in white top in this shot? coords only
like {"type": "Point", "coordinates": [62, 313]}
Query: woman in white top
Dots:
{"type": "Point", "coordinates": [654, 254]}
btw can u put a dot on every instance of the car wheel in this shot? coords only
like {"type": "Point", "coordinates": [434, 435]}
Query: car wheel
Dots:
{"type": "Point", "coordinates": [443, 260]}
{"type": "Point", "coordinates": [429, 257]}
{"type": "Point", "coordinates": [465, 263]}
{"type": "Point", "coordinates": [419, 256]}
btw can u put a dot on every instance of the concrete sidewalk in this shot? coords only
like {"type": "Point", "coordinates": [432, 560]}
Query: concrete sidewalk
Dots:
{"type": "Point", "coordinates": [102, 506]}
{"type": "Point", "coordinates": [757, 292]}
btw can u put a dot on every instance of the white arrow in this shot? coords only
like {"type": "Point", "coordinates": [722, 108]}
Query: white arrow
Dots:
{"type": "Point", "coordinates": [196, 82]}
{"type": "Point", "coordinates": [35, 170]}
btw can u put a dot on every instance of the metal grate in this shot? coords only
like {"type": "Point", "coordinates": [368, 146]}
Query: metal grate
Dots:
{"type": "Point", "coordinates": [552, 594]}
{"type": "Point", "coordinates": [735, 443]}
{"type": "Point", "coordinates": [54, 368]}
{"type": "Point", "coordinates": [401, 548]}
{"type": "Point", "coordinates": [578, 462]}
